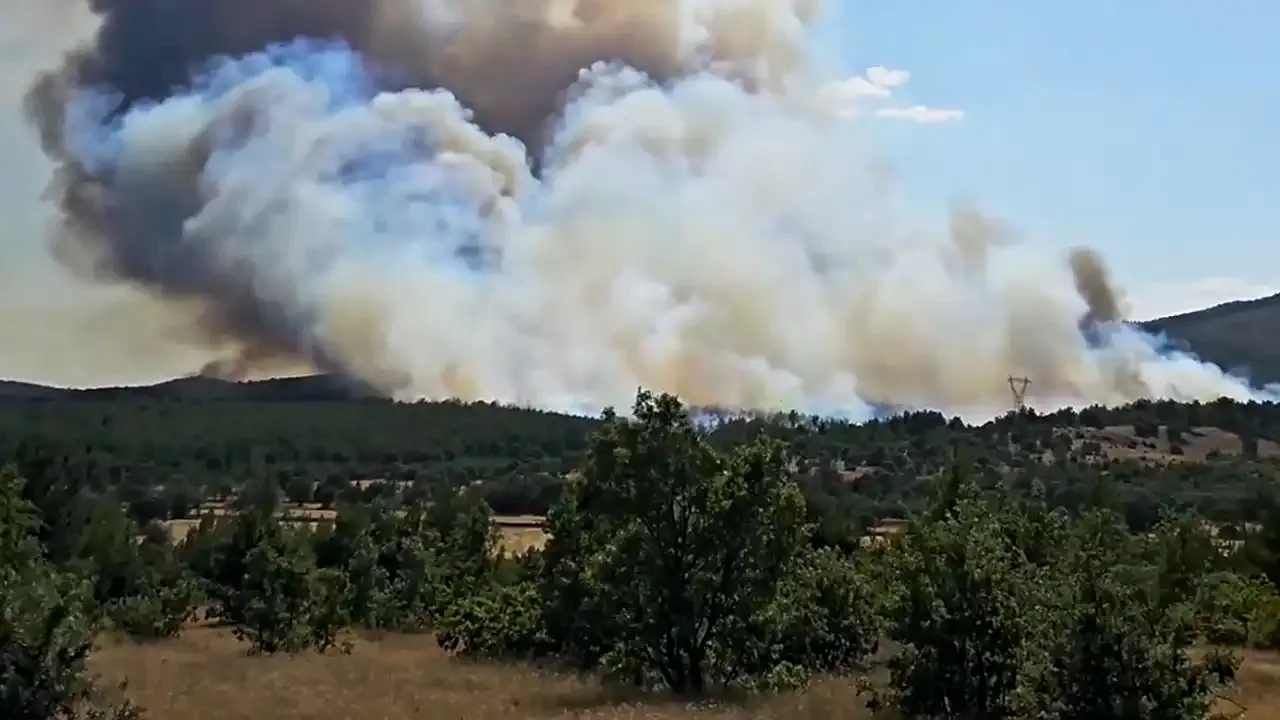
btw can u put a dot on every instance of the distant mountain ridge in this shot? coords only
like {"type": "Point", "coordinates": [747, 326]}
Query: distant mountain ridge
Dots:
{"type": "Point", "coordinates": [1241, 337]}
{"type": "Point", "coordinates": [309, 388]}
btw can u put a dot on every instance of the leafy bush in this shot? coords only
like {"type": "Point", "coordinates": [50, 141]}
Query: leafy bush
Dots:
{"type": "Point", "coordinates": [285, 603]}
{"type": "Point", "coordinates": [1238, 610]}
{"type": "Point", "coordinates": [672, 564]}
{"type": "Point", "coordinates": [828, 616]}
{"type": "Point", "coordinates": [1005, 612]}
{"type": "Point", "coordinates": [1124, 640]}
{"type": "Point", "coordinates": [48, 621]}
{"type": "Point", "coordinates": [963, 591]}
{"type": "Point", "coordinates": [160, 600]}
{"type": "Point", "coordinates": [503, 621]}
{"type": "Point", "coordinates": [156, 614]}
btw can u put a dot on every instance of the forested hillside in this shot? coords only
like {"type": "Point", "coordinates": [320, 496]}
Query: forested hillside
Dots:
{"type": "Point", "coordinates": [163, 457]}
{"type": "Point", "coordinates": [1242, 337]}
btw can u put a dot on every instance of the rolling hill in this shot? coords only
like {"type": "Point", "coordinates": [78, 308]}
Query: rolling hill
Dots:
{"type": "Point", "coordinates": [1242, 337]}
{"type": "Point", "coordinates": [312, 388]}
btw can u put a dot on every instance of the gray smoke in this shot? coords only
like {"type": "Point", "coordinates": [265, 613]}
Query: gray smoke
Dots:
{"type": "Point", "coordinates": [548, 202]}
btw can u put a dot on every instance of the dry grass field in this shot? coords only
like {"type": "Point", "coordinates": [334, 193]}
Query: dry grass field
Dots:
{"type": "Point", "coordinates": [516, 533]}
{"type": "Point", "coordinates": [1199, 444]}
{"type": "Point", "coordinates": [206, 675]}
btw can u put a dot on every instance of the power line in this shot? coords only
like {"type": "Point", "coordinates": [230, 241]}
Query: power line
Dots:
{"type": "Point", "coordinates": [1018, 386]}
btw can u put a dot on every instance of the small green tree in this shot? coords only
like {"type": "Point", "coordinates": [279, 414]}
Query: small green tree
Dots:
{"type": "Point", "coordinates": [406, 566]}
{"type": "Point", "coordinates": [262, 578]}
{"type": "Point", "coordinates": [828, 616]}
{"type": "Point", "coordinates": [219, 549]}
{"type": "Point", "coordinates": [1184, 556]}
{"type": "Point", "coordinates": [970, 645]}
{"type": "Point", "coordinates": [1124, 634]}
{"type": "Point", "coordinates": [1238, 610]}
{"type": "Point", "coordinates": [464, 535]}
{"type": "Point", "coordinates": [285, 603]}
{"type": "Point", "coordinates": [1006, 610]}
{"type": "Point", "coordinates": [502, 621]}
{"type": "Point", "coordinates": [160, 599]}
{"type": "Point", "coordinates": [671, 564]}
{"type": "Point", "coordinates": [48, 620]}
{"type": "Point", "coordinates": [104, 549]}
{"type": "Point", "coordinates": [1261, 548]}
{"type": "Point", "coordinates": [577, 628]}
{"type": "Point", "coordinates": [357, 546]}
{"type": "Point", "coordinates": [679, 553]}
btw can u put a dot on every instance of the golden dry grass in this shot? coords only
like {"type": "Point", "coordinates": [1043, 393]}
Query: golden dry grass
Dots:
{"type": "Point", "coordinates": [1199, 444]}
{"type": "Point", "coordinates": [516, 540]}
{"type": "Point", "coordinates": [1257, 695]}
{"type": "Point", "coordinates": [516, 533]}
{"type": "Point", "coordinates": [206, 675]}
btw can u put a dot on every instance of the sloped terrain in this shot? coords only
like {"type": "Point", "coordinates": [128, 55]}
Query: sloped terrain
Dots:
{"type": "Point", "coordinates": [1242, 337]}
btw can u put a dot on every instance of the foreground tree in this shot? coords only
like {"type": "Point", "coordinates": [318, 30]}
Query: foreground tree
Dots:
{"type": "Point", "coordinates": [406, 565]}
{"type": "Point", "coordinates": [687, 568]}
{"type": "Point", "coordinates": [262, 578]}
{"type": "Point", "coordinates": [285, 602]}
{"type": "Point", "coordinates": [218, 551]}
{"type": "Point", "coordinates": [962, 613]}
{"type": "Point", "coordinates": [48, 621]}
{"type": "Point", "coordinates": [161, 597]}
{"type": "Point", "coordinates": [1125, 634]}
{"type": "Point", "coordinates": [1004, 611]}
{"type": "Point", "coordinates": [359, 545]}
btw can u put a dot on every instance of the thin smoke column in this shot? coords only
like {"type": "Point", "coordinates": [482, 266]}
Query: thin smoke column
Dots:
{"type": "Point", "coordinates": [550, 203]}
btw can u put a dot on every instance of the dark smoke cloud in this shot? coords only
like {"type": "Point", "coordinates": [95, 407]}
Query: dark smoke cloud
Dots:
{"type": "Point", "coordinates": [721, 309]}
{"type": "Point", "coordinates": [511, 67]}
{"type": "Point", "coordinates": [1093, 282]}
{"type": "Point", "coordinates": [511, 71]}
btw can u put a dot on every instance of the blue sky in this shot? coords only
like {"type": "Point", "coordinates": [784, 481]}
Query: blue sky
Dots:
{"type": "Point", "coordinates": [1146, 128]}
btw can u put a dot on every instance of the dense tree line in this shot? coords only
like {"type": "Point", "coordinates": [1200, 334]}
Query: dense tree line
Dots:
{"type": "Point", "coordinates": [682, 557]}
{"type": "Point", "coordinates": [162, 457]}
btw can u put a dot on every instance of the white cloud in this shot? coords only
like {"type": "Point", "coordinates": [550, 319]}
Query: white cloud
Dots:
{"type": "Point", "coordinates": [845, 98]}
{"type": "Point", "coordinates": [1170, 298]}
{"type": "Point", "coordinates": [856, 87]}
{"type": "Point", "coordinates": [921, 114]}
{"type": "Point", "coordinates": [886, 78]}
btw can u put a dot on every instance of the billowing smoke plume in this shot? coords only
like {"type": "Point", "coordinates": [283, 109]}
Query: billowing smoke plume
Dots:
{"type": "Point", "coordinates": [1093, 282]}
{"type": "Point", "coordinates": [549, 202]}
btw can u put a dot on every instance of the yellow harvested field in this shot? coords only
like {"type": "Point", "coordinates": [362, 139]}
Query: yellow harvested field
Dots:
{"type": "Point", "coordinates": [517, 533]}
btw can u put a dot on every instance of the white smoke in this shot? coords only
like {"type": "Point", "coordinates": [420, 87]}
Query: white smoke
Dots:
{"type": "Point", "coordinates": [726, 236]}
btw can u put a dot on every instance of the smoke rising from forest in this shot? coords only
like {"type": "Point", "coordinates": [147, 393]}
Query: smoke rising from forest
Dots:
{"type": "Point", "coordinates": [551, 202]}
